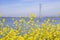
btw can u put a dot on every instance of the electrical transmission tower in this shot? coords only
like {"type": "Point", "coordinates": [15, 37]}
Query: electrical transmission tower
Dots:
{"type": "Point", "coordinates": [40, 10]}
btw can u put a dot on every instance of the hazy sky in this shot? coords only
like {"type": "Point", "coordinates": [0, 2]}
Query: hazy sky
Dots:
{"type": "Point", "coordinates": [15, 8]}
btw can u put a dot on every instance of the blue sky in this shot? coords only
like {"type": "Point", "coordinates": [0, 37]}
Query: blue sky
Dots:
{"type": "Point", "coordinates": [15, 8]}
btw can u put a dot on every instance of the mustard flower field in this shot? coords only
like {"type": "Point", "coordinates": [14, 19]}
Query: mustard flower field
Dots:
{"type": "Point", "coordinates": [29, 30]}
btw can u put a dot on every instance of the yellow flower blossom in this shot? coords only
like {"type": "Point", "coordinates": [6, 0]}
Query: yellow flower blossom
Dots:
{"type": "Point", "coordinates": [20, 38]}
{"type": "Point", "coordinates": [30, 30]}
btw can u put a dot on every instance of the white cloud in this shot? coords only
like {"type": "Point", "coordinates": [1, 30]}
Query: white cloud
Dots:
{"type": "Point", "coordinates": [50, 9]}
{"type": "Point", "coordinates": [18, 10]}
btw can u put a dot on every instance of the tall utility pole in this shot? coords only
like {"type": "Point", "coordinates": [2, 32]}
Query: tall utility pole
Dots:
{"type": "Point", "coordinates": [40, 11]}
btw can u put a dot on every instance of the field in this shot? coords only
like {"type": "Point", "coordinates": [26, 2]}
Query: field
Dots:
{"type": "Point", "coordinates": [30, 29]}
